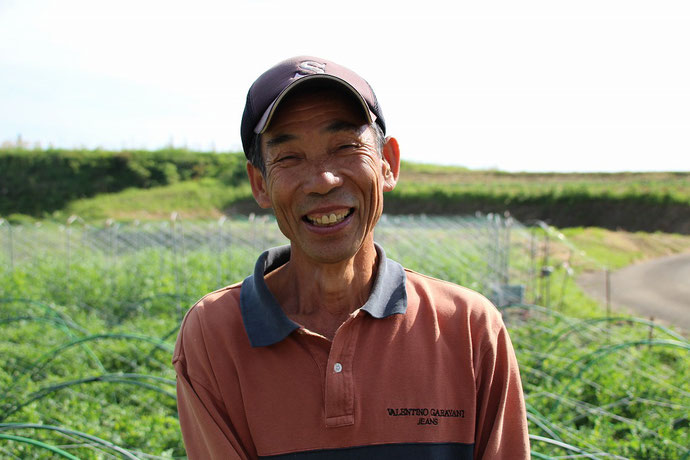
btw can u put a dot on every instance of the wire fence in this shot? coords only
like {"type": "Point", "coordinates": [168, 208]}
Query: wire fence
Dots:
{"type": "Point", "coordinates": [495, 255]}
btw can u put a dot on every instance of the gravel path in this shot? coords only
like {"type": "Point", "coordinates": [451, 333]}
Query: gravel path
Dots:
{"type": "Point", "coordinates": [658, 288]}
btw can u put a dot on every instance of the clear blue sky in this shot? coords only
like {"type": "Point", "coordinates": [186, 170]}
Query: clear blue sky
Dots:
{"type": "Point", "coordinates": [529, 85]}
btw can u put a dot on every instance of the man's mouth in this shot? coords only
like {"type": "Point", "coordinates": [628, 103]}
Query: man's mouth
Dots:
{"type": "Point", "coordinates": [328, 219]}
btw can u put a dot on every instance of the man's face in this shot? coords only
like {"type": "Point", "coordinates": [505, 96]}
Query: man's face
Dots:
{"type": "Point", "coordinates": [324, 175]}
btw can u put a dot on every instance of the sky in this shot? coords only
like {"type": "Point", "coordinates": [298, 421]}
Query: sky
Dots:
{"type": "Point", "coordinates": [587, 85]}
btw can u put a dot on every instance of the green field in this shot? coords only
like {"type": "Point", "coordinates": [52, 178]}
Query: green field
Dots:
{"type": "Point", "coordinates": [88, 318]}
{"type": "Point", "coordinates": [128, 185]}
{"type": "Point", "coordinates": [89, 311]}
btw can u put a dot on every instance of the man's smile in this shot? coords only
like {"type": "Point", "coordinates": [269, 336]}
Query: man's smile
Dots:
{"type": "Point", "coordinates": [328, 219]}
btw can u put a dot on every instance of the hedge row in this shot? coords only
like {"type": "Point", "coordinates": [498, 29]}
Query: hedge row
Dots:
{"type": "Point", "coordinates": [629, 212]}
{"type": "Point", "coordinates": [36, 182]}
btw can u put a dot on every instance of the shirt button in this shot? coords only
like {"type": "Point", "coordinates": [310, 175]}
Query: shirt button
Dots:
{"type": "Point", "coordinates": [338, 368]}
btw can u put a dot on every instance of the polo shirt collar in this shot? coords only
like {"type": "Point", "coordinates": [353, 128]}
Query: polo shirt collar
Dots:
{"type": "Point", "coordinates": [264, 319]}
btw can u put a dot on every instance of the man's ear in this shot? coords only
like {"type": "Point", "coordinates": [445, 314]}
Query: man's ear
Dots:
{"type": "Point", "coordinates": [258, 183]}
{"type": "Point", "coordinates": [390, 164]}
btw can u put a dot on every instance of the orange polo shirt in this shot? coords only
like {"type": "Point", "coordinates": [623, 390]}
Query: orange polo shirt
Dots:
{"type": "Point", "coordinates": [425, 369]}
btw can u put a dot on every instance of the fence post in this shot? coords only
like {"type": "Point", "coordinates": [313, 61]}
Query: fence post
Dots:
{"type": "Point", "coordinates": [137, 236]}
{"type": "Point", "coordinates": [68, 248]}
{"type": "Point", "coordinates": [173, 220]}
{"type": "Point", "coordinates": [545, 271]}
{"type": "Point", "coordinates": [116, 241]}
{"type": "Point", "coordinates": [219, 258]}
{"type": "Point", "coordinates": [252, 222]}
{"type": "Point", "coordinates": [489, 279]}
{"type": "Point", "coordinates": [162, 247]}
{"type": "Point", "coordinates": [136, 243]}
{"type": "Point", "coordinates": [10, 244]}
{"type": "Point", "coordinates": [567, 273]}
{"type": "Point", "coordinates": [183, 266]}
{"type": "Point", "coordinates": [264, 231]}
{"type": "Point", "coordinates": [507, 225]}
{"type": "Point", "coordinates": [532, 264]}
{"type": "Point", "coordinates": [498, 262]}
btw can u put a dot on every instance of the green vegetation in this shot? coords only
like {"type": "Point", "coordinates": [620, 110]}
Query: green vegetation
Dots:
{"type": "Point", "coordinates": [615, 250]}
{"type": "Point", "coordinates": [632, 201]}
{"type": "Point", "coordinates": [191, 199]}
{"type": "Point", "coordinates": [86, 332]}
{"type": "Point", "coordinates": [87, 329]}
{"type": "Point", "coordinates": [86, 343]}
{"type": "Point", "coordinates": [36, 182]}
{"type": "Point", "coordinates": [97, 184]}
{"type": "Point", "coordinates": [609, 386]}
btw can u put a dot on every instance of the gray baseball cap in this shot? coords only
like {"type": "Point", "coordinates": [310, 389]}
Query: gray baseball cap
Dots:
{"type": "Point", "coordinates": [273, 85]}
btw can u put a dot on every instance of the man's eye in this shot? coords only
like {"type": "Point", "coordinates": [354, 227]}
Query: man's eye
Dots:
{"type": "Point", "coordinates": [348, 146]}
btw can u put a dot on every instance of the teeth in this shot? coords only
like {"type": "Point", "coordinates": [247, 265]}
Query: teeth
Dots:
{"type": "Point", "coordinates": [328, 219]}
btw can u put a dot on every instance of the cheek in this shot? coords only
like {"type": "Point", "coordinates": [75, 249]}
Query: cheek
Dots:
{"type": "Point", "coordinates": [280, 193]}
{"type": "Point", "coordinates": [276, 184]}
{"type": "Point", "coordinates": [369, 170]}
{"type": "Point", "coordinates": [366, 171]}
{"type": "Point", "coordinates": [368, 164]}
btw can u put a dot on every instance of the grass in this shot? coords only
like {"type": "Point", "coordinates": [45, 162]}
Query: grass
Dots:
{"type": "Point", "coordinates": [616, 249]}
{"type": "Point", "coordinates": [191, 199]}
{"type": "Point", "coordinates": [86, 339]}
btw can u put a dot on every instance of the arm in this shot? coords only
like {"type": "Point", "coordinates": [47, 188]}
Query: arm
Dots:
{"type": "Point", "coordinates": [501, 431]}
{"type": "Point", "coordinates": [207, 429]}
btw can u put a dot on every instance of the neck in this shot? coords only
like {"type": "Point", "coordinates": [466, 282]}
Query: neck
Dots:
{"type": "Point", "coordinates": [322, 296]}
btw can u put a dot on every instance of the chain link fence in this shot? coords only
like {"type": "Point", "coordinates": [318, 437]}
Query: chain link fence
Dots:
{"type": "Point", "coordinates": [493, 254]}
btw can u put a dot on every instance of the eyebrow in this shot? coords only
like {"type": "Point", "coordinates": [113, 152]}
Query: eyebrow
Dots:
{"type": "Point", "coordinates": [280, 139]}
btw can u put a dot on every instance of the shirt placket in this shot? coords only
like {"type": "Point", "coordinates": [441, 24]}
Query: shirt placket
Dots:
{"type": "Point", "coordinates": [340, 388]}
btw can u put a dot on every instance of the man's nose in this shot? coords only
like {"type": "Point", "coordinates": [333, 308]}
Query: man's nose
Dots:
{"type": "Point", "coordinates": [323, 179]}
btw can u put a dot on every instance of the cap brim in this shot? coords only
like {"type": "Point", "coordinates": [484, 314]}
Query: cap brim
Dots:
{"type": "Point", "coordinates": [266, 118]}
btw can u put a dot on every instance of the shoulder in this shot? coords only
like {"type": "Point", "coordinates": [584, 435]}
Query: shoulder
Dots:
{"type": "Point", "coordinates": [465, 315]}
{"type": "Point", "coordinates": [217, 307]}
{"type": "Point", "coordinates": [215, 315]}
{"type": "Point", "coordinates": [451, 300]}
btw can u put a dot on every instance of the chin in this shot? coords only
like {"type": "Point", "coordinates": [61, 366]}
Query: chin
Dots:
{"type": "Point", "coordinates": [332, 257]}
{"type": "Point", "coordinates": [331, 253]}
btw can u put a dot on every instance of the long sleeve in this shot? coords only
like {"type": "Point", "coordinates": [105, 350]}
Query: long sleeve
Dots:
{"type": "Point", "coordinates": [501, 431]}
{"type": "Point", "coordinates": [207, 428]}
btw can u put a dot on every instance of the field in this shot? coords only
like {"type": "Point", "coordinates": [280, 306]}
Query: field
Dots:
{"type": "Point", "coordinates": [146, 185]}
{"type": "Point", "coordinates": [89, 316]}
{"type": "Point", "coordinates": [643, 201]}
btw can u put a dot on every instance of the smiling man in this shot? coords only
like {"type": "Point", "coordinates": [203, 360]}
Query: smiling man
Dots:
{"type": "Point", "coordinates": [330, 349]}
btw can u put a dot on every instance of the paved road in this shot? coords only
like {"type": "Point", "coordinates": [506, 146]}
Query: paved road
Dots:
{"type": "Point", "coordinates": [658, 288]}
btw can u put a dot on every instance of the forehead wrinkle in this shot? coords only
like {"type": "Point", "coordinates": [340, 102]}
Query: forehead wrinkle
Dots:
{"type": "Point", "coordinates": [333, 127]}
{"type": "Point", "coordinates": [340, 125]}
{"type": "Point", "coordinates": [302, 104]}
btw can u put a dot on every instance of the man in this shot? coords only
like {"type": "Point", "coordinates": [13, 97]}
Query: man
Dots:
{"type": "Point", "coordinates": [331, 350]}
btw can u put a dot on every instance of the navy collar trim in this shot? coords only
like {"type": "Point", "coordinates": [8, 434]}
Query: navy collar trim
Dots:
{"type": "Point", "coordinates": [264, 319]}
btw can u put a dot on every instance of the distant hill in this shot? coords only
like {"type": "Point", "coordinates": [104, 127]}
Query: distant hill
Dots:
{"type": "Point", "coordinates": [151, 184]}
